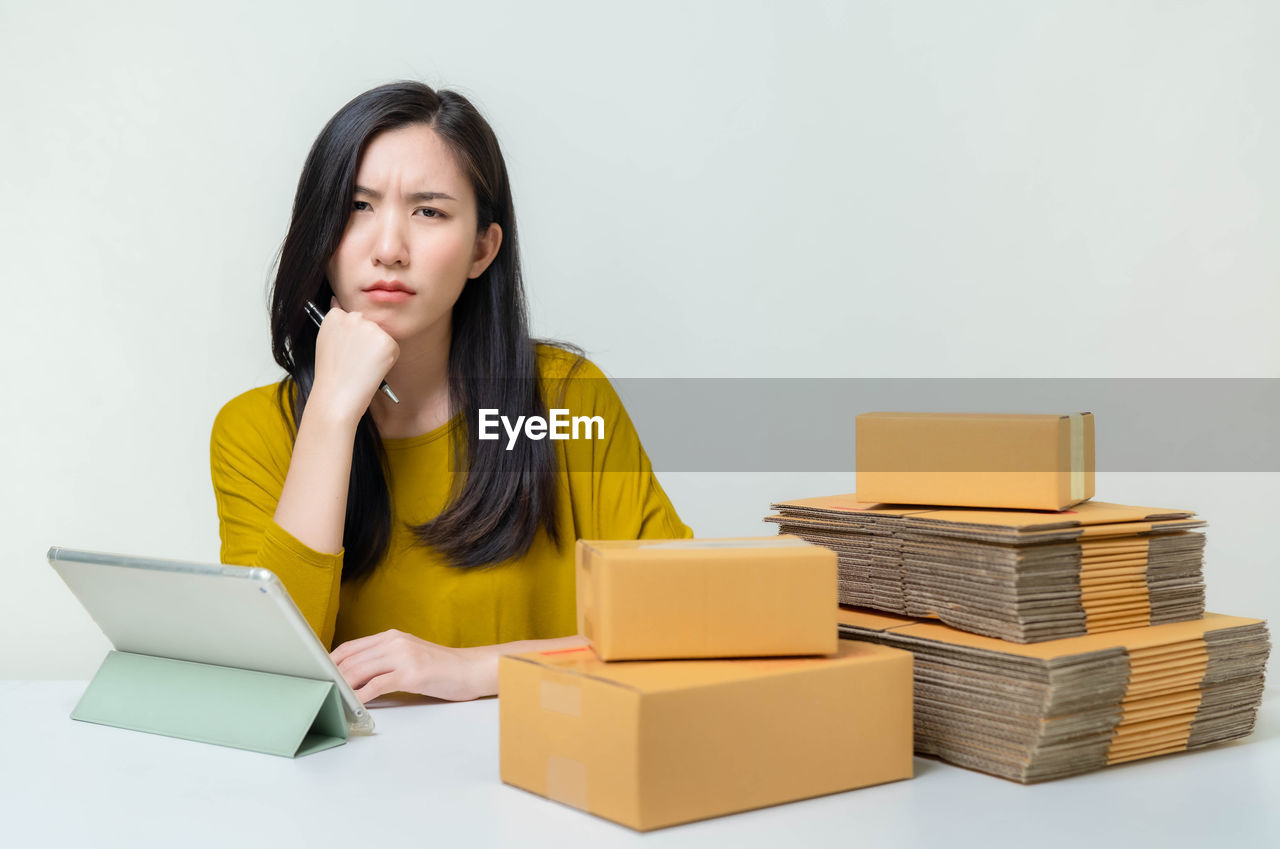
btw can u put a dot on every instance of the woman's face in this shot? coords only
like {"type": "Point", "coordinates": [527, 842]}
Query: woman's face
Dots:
{"type": "Point", "coordinates": [411, 242]}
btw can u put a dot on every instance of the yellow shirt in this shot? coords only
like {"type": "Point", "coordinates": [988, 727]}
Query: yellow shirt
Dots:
{"type": "Point", "coordinates": [607, 490]}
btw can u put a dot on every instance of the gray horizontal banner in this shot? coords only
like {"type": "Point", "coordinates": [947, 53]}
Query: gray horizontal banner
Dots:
{"type": "Point", "coordinates": [807, 424]}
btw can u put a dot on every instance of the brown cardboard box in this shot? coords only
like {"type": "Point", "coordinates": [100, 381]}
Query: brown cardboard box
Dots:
{"type": "Point", "coordinates": [689, 598]}
{"type": "Point", "coordinates": [1031, 462]}
{"type": "Point", "coordinates": [1038, 712]}
{"type": "Point", "coordinates": [652, 744]}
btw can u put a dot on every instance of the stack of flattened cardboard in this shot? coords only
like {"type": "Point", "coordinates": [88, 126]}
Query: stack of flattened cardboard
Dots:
{"type": "Point", "coordinates": [1036, 712]}
{"type": "Point", "coordinates": [1073, 637]}
{"type": "Point", "coordinates": [1014, 574]}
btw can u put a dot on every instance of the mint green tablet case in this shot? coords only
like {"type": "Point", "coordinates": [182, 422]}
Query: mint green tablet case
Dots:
{"type": "Point", "coordinates": [258, 711]}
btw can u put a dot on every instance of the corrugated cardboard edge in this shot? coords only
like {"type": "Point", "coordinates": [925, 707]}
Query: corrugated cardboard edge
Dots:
{"type": "Point", "coordinates": [1153, 678]}
{"type": "Point", "coordinates": [1096, 599]}
{"type": "Point", "coordinates": [1148, 650]}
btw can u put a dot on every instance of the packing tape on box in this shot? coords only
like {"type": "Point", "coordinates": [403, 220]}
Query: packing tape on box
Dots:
{"type": "Point", "coordinates": [566, 777]}
{"type": "Point", "coordinates": [567, 781]}
{"type": "Point", "coordinates": [561, 698]}
{"type": "Point", "coordinates": [1077, 456]}
{"type": "Point", "coordinates": [1098, 597]}
{"type": "Point", "coordinates": [1160, 701]}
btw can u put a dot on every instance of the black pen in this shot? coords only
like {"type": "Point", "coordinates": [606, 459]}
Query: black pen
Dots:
{"type": "Point", "coordinates": [317, 317]}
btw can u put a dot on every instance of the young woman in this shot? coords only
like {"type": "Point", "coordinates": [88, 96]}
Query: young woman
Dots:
{"type": "Point", "coordinates": [424, 548]}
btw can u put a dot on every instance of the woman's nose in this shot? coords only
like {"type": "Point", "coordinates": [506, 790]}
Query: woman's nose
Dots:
{"type": "Point", "coordinates": [391, 248]}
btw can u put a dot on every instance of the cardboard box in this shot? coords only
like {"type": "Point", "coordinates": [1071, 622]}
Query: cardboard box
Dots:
{"type": "Point", "coordinates": [690, 598]}
{"type": "Point", "coordinates": [1029, 462]}
{"type": "Point", "coordinates": [653, 744]}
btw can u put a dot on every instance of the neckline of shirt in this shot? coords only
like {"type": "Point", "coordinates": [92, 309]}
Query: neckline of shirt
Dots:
{"type": "Point", "coordinates": [422, 438]}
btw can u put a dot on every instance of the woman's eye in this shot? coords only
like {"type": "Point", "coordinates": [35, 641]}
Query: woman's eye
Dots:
{"type": "Point", "coordinates": [359, 205]}
{"type": "Point", "coordinates": [431, 213]}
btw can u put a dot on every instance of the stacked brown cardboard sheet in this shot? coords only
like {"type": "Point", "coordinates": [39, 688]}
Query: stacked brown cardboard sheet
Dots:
{"type": "Point", "coordinates": [1014, 574]}
{"type": "Point", "coordinates": [1037, 712]}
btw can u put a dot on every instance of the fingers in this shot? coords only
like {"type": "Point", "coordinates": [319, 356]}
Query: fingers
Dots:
{"type": "Point", "coordinates": [335, 306]}
{"type": "Point", "coordinates": [379, 686]}
{"type": "Point", "coordinates": [374, 672]}
{"type": "Point", "coordinates": [363, 668]}
{"type": "Point", "coordinates": [393, 661]}
{"type": "Point", "coordinates": [363, 659]}
{"type": "Point", "coordinates": [352, 647]}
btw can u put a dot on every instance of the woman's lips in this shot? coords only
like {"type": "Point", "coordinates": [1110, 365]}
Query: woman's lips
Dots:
{"type": "Point", "coordinates": [386, 296]}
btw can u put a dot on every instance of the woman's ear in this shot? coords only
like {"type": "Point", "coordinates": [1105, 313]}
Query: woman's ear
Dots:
{"type": "Point", "coordinates": [487, 244]}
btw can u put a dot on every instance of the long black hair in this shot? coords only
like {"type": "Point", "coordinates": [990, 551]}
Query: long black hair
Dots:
{"type": "Point", "coordinates": [499, 498]}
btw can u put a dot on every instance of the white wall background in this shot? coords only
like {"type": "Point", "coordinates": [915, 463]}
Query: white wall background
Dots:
{"type": "Point", "coordinates": [703, 189]}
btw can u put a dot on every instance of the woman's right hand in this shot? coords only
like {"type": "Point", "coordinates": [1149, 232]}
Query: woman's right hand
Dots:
{"type": "Point", "coordinates": [353, 356]}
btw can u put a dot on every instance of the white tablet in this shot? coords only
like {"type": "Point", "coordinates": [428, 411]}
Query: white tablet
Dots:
{"type": "Point", "coordinates": [208, 613]}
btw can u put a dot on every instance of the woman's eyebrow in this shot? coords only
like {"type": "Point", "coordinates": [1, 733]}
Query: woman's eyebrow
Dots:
{"type": "Point", "coordinates": [416, 197]}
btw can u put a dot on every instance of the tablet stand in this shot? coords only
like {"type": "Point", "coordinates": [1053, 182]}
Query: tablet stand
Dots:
{"type": "Point", "coordinates": [259, 711]}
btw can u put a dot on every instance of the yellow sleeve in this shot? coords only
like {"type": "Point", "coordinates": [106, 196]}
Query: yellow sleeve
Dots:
{"type": "Point", "coordinates": [614, 491]}
{"type": "Point", "coordinates": [249, 453]}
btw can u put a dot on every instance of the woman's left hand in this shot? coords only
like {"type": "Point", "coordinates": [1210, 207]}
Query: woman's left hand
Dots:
{"type": "Point", "coordinates": [394, 661]}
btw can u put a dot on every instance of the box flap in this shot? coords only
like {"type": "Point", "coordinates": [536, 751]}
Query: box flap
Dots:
{"type": "Point", "coordinates": [1087, 513]}
{"type": "Point", "coordinates": [658, 676]}
{"type": "Point", "coordinates": [1135, 638]}
{"type": "Point", "coordinates": [1013, 417]}
{"type": "Point", "coordinates": [614, 547]}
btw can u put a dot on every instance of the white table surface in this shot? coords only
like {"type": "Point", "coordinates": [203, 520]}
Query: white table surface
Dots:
{"type": "Point", "coordinates": [429, 777]}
